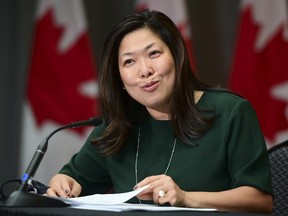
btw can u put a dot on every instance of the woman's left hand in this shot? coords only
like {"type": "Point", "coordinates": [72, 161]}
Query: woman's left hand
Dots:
{"type": "Point", "coordinates": [162, 190]}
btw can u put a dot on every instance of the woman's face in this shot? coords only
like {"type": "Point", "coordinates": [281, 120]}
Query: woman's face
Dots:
{"type": "Point", "coordinates": [147, 70]}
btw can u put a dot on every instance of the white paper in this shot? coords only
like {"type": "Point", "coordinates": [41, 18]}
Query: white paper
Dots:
{"type": "Point", "coordinates": [136, 207]}
{"type": "Point", "coordinates": [104, 199]}
{"type": "Point", "coordinates": [116, 202]}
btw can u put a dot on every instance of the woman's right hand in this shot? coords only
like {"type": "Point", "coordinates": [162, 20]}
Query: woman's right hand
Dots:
{"type": "Point", "coordinates": [62, 185]}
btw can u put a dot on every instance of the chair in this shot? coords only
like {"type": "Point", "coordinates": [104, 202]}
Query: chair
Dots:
{"type": "Point", "coordinates": [278, 156]}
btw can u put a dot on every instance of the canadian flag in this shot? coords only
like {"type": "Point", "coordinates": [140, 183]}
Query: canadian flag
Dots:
{"type": "Point", "coordinates": [175, 10]}
{"type": "Point", "coordinates": [62, 85]}
{"type": "Point", "coordinates": [260, 70]}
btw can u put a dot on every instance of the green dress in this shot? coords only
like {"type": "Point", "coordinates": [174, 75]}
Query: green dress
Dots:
{"type": "Point", "coordinates": [231, 154]}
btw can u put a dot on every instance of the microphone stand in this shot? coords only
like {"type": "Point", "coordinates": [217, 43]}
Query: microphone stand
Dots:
{"type": "Point", "coordinates": [21, 197]}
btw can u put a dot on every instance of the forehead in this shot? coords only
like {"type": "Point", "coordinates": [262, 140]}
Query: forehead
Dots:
{"type": "Point", "coordinates": [141, 34]}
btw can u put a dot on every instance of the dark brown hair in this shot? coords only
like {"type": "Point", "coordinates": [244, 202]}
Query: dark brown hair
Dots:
{"type": "Point", "coordinates": [120, 111]}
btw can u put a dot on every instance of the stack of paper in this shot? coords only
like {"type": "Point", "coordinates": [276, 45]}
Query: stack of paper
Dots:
{"type": "Point", "coordinates": [116, 202]}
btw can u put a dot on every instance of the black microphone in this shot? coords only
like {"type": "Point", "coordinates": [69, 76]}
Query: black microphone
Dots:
{"type": "Point", "coordinates": [94, 121]}
{"type": "Point", "coordinates": [42, 148]}
{"type": "Point", "coordinates": [38, 155]}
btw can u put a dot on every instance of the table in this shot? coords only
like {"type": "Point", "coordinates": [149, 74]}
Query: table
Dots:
{"type": "Point", "coordinates": [47, 210]}
{"type": "Point", "coordinates": [63, 211]}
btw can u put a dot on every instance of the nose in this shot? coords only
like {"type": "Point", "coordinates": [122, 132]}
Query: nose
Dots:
{"type": "Point", "coordinates": [146, 69]}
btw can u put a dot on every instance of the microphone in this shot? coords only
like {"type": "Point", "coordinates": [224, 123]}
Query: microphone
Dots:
{"type": "Point", "coordinates": [94, 121]}
{"type": "Point", "coordinates": [35, 162]}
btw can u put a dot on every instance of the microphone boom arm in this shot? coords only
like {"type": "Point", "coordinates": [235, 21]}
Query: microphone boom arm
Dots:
{"type": "Point", "coordinates": [21, 197]}
{"type": "Point", "coordinates": [36, 160]}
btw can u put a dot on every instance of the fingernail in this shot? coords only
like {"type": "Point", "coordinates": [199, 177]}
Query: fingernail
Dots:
{"type": "Point", "coordinates": [66, 191]}
{"type": "Point", "coordinates": [135, 187]}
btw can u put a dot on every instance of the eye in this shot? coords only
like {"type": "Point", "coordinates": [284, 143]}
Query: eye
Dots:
{"type": "Point", "coordinates": [128, 62]}
{"type": "Point", "coordinates": [154, 53]}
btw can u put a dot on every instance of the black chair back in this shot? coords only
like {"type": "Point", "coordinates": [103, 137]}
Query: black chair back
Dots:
{"type": "Point", "coordinates": [279, 167]}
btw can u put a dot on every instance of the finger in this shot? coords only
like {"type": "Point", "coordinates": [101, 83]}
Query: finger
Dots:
{"type": "Point", "coordinates": [164, 197]}
{"type": "Point", "coordinates": [148, 180]}
{"type": "Point", "coordinates": [59, 191]}
{"type": "Point", "coordinates": [76, 190]}
{"type": "Point", "coordinates": [51, 192]}
{"type": "Point", "coordinates": [65, 189]}
{"type": "Point", "coordinates": [145, 196]}
{"type": "Point", "coordinates": [56, 193]}
{"type": "Point", "coordinates": [157, 193]}
{"type": "Point", "coordinates": [164, 201]}
{"type": "Point", "coordinates": [170, 198]}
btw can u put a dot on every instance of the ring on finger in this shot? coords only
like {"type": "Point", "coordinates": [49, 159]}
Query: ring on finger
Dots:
{"type": "Point", "coordinates": [161, 193]}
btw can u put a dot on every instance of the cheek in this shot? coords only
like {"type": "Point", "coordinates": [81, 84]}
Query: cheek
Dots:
{"type": "Point", "coordinates": [166, 66]}
{"type": "Point", "coordinates": [128, 78]}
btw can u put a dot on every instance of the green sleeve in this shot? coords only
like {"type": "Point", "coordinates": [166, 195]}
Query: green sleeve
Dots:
{"type": "Point", "coordinates": [88, 168]}
{"type": "Point", "coordinates": [248, 161]}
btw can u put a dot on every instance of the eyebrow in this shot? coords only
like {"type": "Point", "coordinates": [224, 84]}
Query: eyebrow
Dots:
{"type": "Point", "coordinates": [146, 48]}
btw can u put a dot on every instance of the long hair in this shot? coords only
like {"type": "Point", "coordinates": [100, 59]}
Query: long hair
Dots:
{"type": "Point", "coordinates": [121, 111]}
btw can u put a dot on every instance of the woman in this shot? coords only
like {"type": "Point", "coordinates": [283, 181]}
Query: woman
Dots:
{"type": "Point", "coordinates": [194, 146]}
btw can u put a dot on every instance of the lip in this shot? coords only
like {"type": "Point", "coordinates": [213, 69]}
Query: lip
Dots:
{"type": "Point", "coordinates": [151, 86]}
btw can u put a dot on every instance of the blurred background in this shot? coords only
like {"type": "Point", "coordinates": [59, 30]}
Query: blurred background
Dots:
{"type": "Point", "coordinates": [48, 66]}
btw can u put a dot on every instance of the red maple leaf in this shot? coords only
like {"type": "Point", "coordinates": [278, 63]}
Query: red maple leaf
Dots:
{"type": "Point", "coordinates": [55, 78]}
{"type": "Point", "coordinates": [255, 73]}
